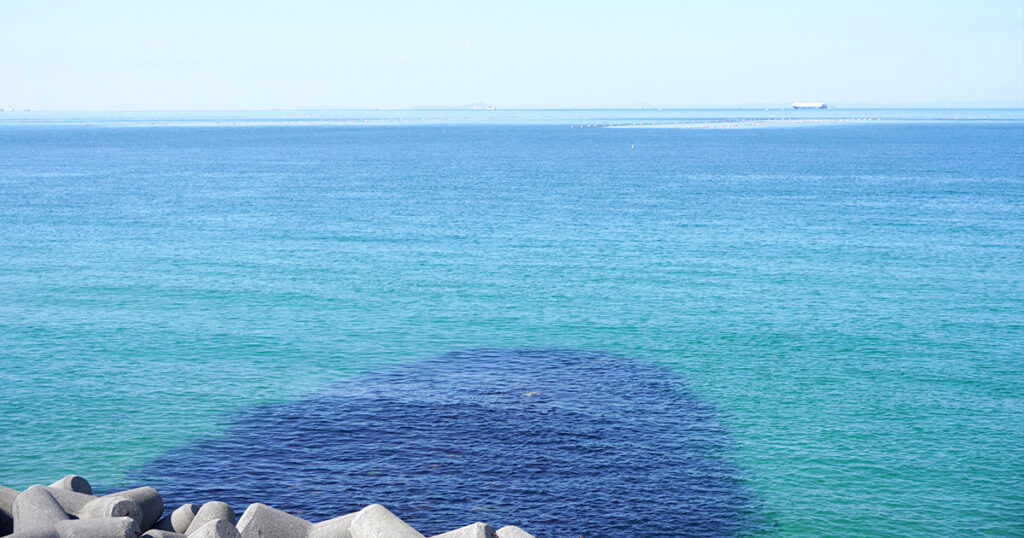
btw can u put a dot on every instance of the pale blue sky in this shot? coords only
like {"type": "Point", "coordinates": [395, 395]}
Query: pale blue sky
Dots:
{"type": "Point", "coordinates": [303, 53]}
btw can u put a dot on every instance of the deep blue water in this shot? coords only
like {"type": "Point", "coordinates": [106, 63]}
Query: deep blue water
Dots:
{"type": "Point", "coordinates": [562, 443]}
{"type": "Point", "coordinates": [831, 315]}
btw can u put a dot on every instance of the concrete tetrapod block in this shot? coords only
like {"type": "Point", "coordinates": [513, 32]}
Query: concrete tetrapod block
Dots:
{"type": "Point", "coordinates": [511, 531]}
{"type": "Point", "coordinates": [178, 520]}
{"type": "Point", "coordinates": [218, 528]}
{"type": "Point", "coordinates": [262, 521]}
{"type": "Point", "coordinates": [120, 527]}
{"type": "Point", "coordinates": [339, 527]}
{"type": "Point", "coordinates": [36, 508]}
{"type": "Point", "coordinates": [85, 506]}
{"type": "Point", "coordinates": [160, 533]}
{"type": "Point", "coordinates": [7, 496]}
{"type": "Point", "coordinates": [475, 530]}
{"type": "Point", "coordinates": [211, 511]}
{"type": "Point", "coordinates": [73, 482]}
{"type": "Point", "coordinates": [106, 527]}
{"type": "Point", "coordinates": [41, 532]}
{"type": "Point", "coordinates": [148, 499]}
{"type": "Point", "coordinates": [375, 521]}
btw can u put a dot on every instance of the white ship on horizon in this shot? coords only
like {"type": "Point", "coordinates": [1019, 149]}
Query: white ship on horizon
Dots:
{"type": "Point", "coordinates": [818, 105]}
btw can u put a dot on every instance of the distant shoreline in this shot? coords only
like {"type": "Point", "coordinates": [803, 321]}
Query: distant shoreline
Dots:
{"type": "Point", "coordinates": [577, 118]}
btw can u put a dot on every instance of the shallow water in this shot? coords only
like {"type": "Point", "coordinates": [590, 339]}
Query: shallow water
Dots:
{"type": "Point", "coordinates": [846, 297]}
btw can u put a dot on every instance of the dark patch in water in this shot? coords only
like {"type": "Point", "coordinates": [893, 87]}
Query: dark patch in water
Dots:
{"type": "Point", "coordinates": [561, 443]}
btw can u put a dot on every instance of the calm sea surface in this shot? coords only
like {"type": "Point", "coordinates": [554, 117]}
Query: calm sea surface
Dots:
{"type": "Point", "coordinates": [798, 327]}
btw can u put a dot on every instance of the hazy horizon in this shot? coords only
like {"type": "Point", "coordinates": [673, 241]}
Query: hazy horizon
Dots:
{"type": "Point", "coordinates": [399, 55]}
{"type": "Point", "coordinates": [473, 107]}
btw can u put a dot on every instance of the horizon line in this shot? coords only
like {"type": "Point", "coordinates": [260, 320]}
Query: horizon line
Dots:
{"type": "Point", "coordinates": [492, 108]}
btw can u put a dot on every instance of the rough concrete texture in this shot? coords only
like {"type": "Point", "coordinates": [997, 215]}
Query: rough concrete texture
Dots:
{"type": "Point", "coordinates": [178, 520]}
{"type": "Point", "coordinates": [108, 527]}
{"type": "Point", "coordinates": [112, 507]}
{"type": "Point", "coordinates": [64, 510]}
{"type": "Point", "coordinates": [375, 521]}
{"type": "Point", "coordinates": [511, 531]}
{"type": "Point", "coordinates": [36, 508]}
{"type": "Point", "coordinates": [262, 521]}
{"type": "Point", "coordinates": [148, 499]}
{"type": "Point", "coordinates": [339, 527]}
{"type": "Point", "coordinates": [7, 496]}
{"type": "Point", "coordinates": [217, 528]}
{"type": "Point", "coordinates": [73, 482]}
{"type": "Point", "coordinates": [84, 528]}
{"type": "Point", "coordinates": [42, 532]}
{"type": "Point", "coordinates": [211, 511]}
{"type": "Point", "coordinates": [85, 506]}
{"type": "Point", "coordinates": [72, 502]}
{"type": "Point", "coordinates": [475, 530]}
{"type": "Point", "coordinates": [160, 533]}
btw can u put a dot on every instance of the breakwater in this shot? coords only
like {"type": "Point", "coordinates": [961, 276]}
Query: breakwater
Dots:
{"type": "Point", "coordinates": [68, 509]}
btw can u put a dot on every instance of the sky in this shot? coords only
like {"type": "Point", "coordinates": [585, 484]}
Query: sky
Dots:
{"type": "Point", "coordinates": [233, 54]}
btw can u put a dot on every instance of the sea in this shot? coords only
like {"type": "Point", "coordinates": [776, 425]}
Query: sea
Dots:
{"type": "Point", "coordinates": [582, 322]}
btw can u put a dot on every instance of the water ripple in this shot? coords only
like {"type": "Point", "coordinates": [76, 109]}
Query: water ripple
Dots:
{"type": "Point", "coordinates": [562, 443]}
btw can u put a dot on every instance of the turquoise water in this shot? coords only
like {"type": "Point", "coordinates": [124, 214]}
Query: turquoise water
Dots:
{"type": "Point", "coordinates": [846, 297]}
